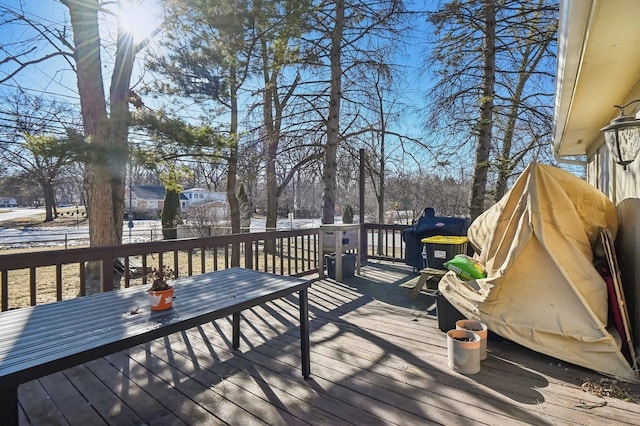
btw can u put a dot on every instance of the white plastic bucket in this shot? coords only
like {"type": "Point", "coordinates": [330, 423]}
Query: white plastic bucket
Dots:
{"type": "Point", "coordinates": [463, 351]}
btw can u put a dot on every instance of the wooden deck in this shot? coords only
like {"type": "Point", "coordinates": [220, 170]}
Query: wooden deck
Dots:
{"type": "Point", "coordinates": [377, 357]}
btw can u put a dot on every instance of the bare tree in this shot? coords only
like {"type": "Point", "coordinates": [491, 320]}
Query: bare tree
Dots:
{"type": "Point", "coordinates": [105, 130]}
{"type": "Point", "coordinates": [497, 53]}
{"type": "Point", "coordinates": [209, 46]}
{"type": "Point", "coordinates": [349, 32]}
{"type": "Point", "coordinates": [333, 114]}
{"type": "Point", "coordinates": [280, 25]}
{"type": "Point", "coordinates": [40, 142]}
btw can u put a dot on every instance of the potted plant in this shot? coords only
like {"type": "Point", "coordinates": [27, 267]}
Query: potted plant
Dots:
{"type": "Point", "coordinates": [161, 292]}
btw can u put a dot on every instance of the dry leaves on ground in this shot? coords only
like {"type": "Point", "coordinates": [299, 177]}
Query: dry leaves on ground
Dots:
{"type": "Point", "coordinates": [609, 388]}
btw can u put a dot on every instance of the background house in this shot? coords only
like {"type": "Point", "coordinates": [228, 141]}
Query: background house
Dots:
{"type": "Point", "coordinates": [147, 201]}
{"type": "Point", "coordinates": [201, 195]}
{"type": "Point", "coordinates": [206, 207]}
{"type": "Point", "coordinates": [598, 67]}
{"type": "Point", "coordinates": [8, 202]}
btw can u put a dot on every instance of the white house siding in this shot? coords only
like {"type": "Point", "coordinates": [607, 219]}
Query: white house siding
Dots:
{"type": "Point", "coordinates": [628, 240]}
{"type": "Point", "coordinates": [623, 188]}
{"type": "Point", "coordinates": [598, 67]}
{"type": "Point", "coordinates": [598, 172]}
{"type": "Point", "coordinates": [200, 195]}
{"type": "Point", "coordinates": [628, 247]}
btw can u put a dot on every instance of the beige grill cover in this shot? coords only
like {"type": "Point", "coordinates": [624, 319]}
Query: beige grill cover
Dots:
{"type": "Point", "coordinates": [542, 290]}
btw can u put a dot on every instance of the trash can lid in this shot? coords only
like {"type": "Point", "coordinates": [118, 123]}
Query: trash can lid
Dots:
{"type": "Point", "coordinates": [445, 239]}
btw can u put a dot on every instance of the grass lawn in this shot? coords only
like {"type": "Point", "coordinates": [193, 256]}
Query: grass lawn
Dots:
{"type": "Point", "coordinates": [67, 216]}
{"type": "Point", "coordinates": [45, 281]}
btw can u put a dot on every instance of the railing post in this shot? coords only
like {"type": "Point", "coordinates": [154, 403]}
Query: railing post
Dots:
{"type": "Point", "coordinates": [363, 252]}
{"type": "Point", "coordinates": [248, 251]}
{"type": "Point", "coordinates": [364, 247]}
{"type": "Point", "coordinates": [106, 275]}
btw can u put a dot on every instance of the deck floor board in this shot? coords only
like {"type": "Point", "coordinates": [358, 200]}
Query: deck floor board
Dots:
{"type": "Point", "coordinates": [377, 358]}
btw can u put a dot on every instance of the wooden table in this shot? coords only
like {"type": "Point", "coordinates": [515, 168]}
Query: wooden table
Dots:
{"type": "Point", "coordinates": [425, 275]}
{"type": "Point", "coordinates": [48, 338]}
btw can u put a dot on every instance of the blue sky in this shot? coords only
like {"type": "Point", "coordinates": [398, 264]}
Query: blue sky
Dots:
{"type": "Point", "coordinates": [55, 78]}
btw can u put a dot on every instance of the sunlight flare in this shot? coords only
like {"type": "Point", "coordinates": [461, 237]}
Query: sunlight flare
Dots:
{"type": "Point", "coordinates": [139, 18]}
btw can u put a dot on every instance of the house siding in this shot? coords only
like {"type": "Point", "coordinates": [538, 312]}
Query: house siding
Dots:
{"type": "Point", "coordinates": [627, 184]}
{"type": "Point", "coordinates": [623, 188]}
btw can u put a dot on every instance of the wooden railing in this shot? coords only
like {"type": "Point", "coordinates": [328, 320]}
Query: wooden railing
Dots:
{"type": "Point", "coordinates": [384, 241]}
{"type": "Point", "coordinates": [28, 279]}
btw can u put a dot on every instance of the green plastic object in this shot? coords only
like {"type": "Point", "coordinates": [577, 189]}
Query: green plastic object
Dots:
{"type": "Point", "coordinates": [466, 268]}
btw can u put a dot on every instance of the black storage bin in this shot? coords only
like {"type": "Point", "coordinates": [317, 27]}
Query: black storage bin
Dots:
{"type": "Point", "coordinates": [441, 248]}
{"type": "Point", "coordinates": [348, 265]}
{"type": "Point", "coordinates": [448, 315]}
{"type": "Point", "coordinates": [429, 225]}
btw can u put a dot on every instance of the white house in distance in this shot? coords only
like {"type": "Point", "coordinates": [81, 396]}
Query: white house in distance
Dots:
{"type": "Point", "coordinates": [599, 67]}
{"type": "Point", "coordinates": [206, 206]}
{"type": "Point", "coordinates": [201, 195]}
{"type": "Point", "coordinates": [149, 200]}
{"type": "Point", "coordinates": [8, 202]}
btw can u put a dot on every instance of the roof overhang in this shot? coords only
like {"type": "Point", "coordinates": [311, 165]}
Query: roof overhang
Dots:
{"type": "Point", "coordinates": [598, 67]}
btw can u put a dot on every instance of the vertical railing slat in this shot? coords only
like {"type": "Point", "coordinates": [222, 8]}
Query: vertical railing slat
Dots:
{"type": "Point", "coordinates": [32, 286]}
{"type": "Point", "coordinates": [144, 269]}
{"type": "Point", "coordinates": [58, 282]}
{"type": "Point", "coordinates": [83, 278]}
{"type": "Point", "coordinates": [256, 255]}
{"type": "Point", "coordinates": [4, 277]}
{"type": "Point", "coordinates": [282, 254]}
{"type": "Point", "coordinates": [127, 272]}
{"type": "Point", "coordinates": [175, 263]}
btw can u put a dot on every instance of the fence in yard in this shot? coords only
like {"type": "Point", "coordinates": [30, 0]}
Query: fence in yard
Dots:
{"type": "Point", "coordinates": [67, 238]}
{"type": "Point", "coordinates": [44, 276]}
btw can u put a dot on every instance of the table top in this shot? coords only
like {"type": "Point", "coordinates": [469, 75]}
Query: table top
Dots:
{"type": "Point", "coordinates": [44, 337]}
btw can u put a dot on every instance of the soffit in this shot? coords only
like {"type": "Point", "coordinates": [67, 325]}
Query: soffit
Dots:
{"type": "Point", "coordinates": [602, 60]}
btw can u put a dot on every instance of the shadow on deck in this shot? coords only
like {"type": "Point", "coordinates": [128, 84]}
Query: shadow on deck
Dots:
{"type": "Point", "coordinates": [377, 358]}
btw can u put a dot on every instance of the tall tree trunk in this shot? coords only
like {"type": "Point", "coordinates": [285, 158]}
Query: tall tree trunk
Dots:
{"type": "Point", "coordinates": [232, 171]}
{"type": "Point", "coordinates": [245, 210]}
{"type": "Point", "coordinates": [272, 184]}
{"type": "Point", "coordinates": [268, 96]}
{"type": "Point", "coordinates": [84, 19]}
{"type": "Point", "coordinates": [506, 163]}
{"type": "Point", "coordinates": [381, 191]}
{"type": "Point", "coordinates": [119, 120]}
{"type": "Point", "coordinates": [49, 198]}
{"type": "Point", "coordinates": [106, 163]}
{"type": "Point", "coordinates": [383, 126]}
{"type": "Point", "coordinates": [333, 120]}
{"type": "Point", "coordinates": [485, 125]}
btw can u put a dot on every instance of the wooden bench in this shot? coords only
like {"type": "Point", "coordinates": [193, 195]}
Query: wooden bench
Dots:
{"type": "Point", "coordinates": [425, 275]}
{"type": "Point", "coordinates": [44, 339]}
